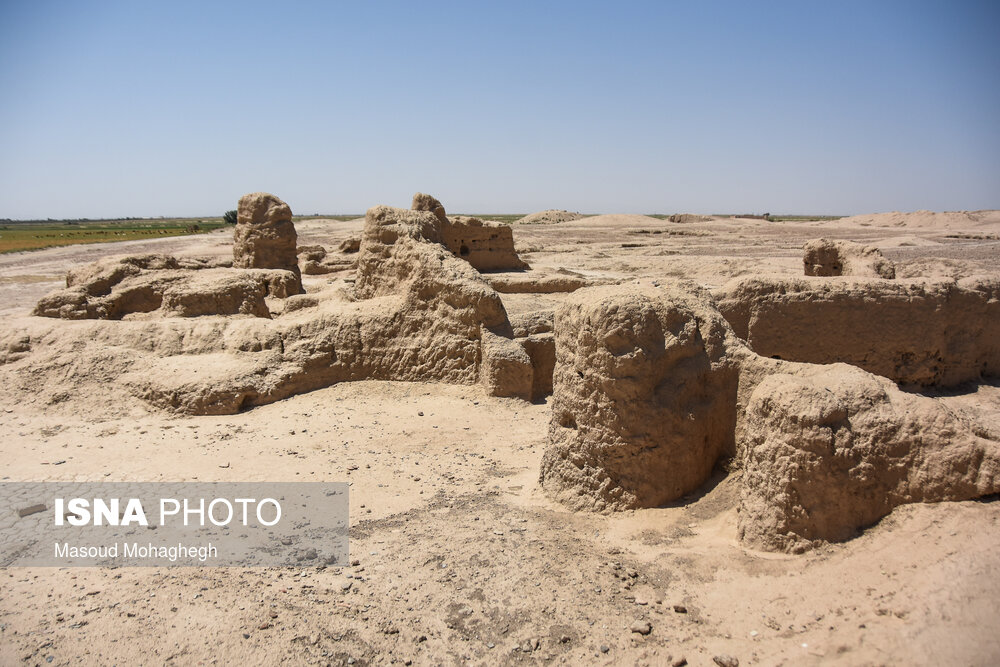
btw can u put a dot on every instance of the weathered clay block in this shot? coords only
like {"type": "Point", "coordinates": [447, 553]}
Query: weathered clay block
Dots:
{"type": "Point", "coordinates": [506, 368]}
{"type": "Point", "coordinates": [264, 237]}
{"type": "Point", "coordinates": [822, 257]}
{"type": "Point", "coordinates": [912, 332]}
{"type": "Point", "coordinates": [835, 451]}
{"type": "Point", "coordinates": [644, 397]}
{"type": "Point", "coordinates": [227, 292]}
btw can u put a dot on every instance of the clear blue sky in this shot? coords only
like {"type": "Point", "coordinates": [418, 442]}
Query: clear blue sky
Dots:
{"type": "Point", "coordinates": [177, 108]}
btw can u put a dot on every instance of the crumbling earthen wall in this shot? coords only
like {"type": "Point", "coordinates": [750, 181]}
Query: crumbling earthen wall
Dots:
{"type": "Point", "coordinates": [531, 283]}
{"type": "Point", "coordinates": [117, 287]}
{"type": "Point", "coordinates": [651, 387]}
{"type": "Point", "coordinates": [913, 332]}
{"type": "Point", "coordinates": [416, 312]}
{"type": "Point", "coordinates": [487, 246]}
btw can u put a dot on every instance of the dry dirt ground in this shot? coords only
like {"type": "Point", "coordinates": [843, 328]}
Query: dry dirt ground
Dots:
{"type": "Point", "coordinates": [459, 557]}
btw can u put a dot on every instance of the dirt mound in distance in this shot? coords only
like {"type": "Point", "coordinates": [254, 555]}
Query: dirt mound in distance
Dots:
{"type": "Point", "coordinates": [943, 220]}
{"type": "Point", "coordinates": [549, 217]}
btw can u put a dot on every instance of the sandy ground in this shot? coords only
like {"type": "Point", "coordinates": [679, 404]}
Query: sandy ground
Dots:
{"type": "Point", "coordinates": [460, 558]}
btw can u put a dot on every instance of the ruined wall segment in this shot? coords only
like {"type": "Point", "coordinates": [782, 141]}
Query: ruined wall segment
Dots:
{"type": "Point", "coordinates": [487, 246]}
{"type": "Point", "coordinates": [651, 387]}
{"type": "Point", "coordinates": [916, 333]}
{"type": "Point", "coordinates": [415, 313]}
{"type": "Point", "coordinates": [114, 288]}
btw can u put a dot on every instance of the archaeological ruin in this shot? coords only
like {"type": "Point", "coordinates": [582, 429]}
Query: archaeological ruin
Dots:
{"type": "Point", "coordinates": [803, 386]}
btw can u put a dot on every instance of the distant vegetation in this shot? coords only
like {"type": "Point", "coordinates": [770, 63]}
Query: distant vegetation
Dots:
{"type": "Point", "coordinates": [17, 235]}
{"type": "Point", "coordinates": [804, 218]}
{"type": "Point", "coordinates": [36, 234]}
{"type": "Point", "coordinates": [230, 217]}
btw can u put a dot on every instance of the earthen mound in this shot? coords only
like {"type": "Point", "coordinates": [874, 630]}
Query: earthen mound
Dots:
{"type": "Point", "coordinates": [620, 220]}
{"type": "Point", "coordinates": [943, 220]}
{"type": "Point", "coordinates": [822, 257]}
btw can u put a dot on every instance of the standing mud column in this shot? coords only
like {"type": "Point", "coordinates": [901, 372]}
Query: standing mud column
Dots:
{"type": "Point", "coordinates": [265, 237]}
{"type": "Point", "coordinates": [644, 397]}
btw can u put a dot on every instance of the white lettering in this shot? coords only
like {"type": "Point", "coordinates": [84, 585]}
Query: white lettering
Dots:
{"type": "Point", "coordinates": [103, 512]}
{"type": "Point", "coordinates": [244, 502]}
{"type": "Point", "coordinates": [211, 513]}
{"type": "Point", "coordinates": [200, 511]}
{"type": "Point", "coordinates": [277, 511]}
{"type": "Point", "coordinates": [134, 513]}
{"type": "Point", "coordinates": [79, 512]}
{"type": "Point", "coordinates": [164, 512]}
